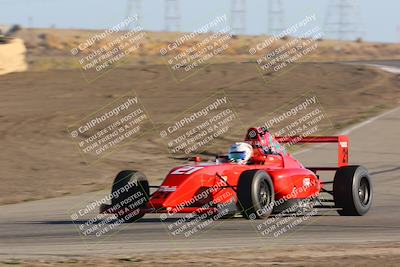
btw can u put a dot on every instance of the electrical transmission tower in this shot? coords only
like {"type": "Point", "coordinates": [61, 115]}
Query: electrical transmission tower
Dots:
{"type": "Point", "coordinates": [238, 16]}
{"type": "Point", "coordinates": [398, 33]}
{"type": "Point", "coordinates": [276, 22]}
{"type": "Point", "coordinates": [343, 20]}
{"type": "Point", "coordinates": [31, 35]}
{"type": "Point", "coordinates": [134, 7]}
{"type": "Point", "coordinates": [172, 15]}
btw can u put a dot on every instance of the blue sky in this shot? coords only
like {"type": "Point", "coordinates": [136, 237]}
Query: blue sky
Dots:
{"type": "Point", "coordinates": [379, 20]}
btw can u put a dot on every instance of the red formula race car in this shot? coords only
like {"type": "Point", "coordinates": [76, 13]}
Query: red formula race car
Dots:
{"type": "Point", "coordinates": [272, 181]}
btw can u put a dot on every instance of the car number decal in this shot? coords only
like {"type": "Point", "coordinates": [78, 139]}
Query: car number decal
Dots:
{"type": "Point", "coordinates": [187, 170]}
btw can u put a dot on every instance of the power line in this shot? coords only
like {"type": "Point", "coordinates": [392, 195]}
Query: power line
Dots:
{"type": "Point", "coordinates": [133, 7]}
{"type": "Point", "coordinates": [343, 20]}
{"type": "Point", "coordinates": [172, 15]}
{"type": "Point", "coordinates": [398, 32]}
{"type": "Point", "coordinates": [238, 16]}
{"type": "Point", "coordinates": [276, 17]}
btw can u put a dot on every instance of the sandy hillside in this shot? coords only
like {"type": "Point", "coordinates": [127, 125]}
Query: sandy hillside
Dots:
{"type": "Point", "coordinates": [12, 57]}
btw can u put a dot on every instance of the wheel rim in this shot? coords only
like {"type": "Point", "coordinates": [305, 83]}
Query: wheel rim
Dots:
{"type": "Point", "coordinates": [363, 191]}
{"type": "Point", "coordinates": [264, 196]}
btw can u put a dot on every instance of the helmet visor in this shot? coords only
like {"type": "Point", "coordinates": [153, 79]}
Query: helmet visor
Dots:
{"type": "Point", "coordinates": [239, 155]}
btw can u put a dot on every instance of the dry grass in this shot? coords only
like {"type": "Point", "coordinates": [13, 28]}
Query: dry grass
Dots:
{"type": "Point", "coordinates": [56, 44]}
{"type": "Point", "coordinates": [363, 255]}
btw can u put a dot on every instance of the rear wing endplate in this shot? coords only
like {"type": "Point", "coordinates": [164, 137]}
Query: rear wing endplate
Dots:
{"type": "Point", "coordinates": [342, 140]}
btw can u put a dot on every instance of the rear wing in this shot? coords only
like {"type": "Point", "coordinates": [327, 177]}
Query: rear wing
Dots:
{"type": "Point", "coordinates": [342, 140]}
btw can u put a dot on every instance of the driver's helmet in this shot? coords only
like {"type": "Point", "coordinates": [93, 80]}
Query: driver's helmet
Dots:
{"type": "Point", "coordinates": [240, 152]}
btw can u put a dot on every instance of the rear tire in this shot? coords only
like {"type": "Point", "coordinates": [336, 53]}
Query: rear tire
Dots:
{"type": "Point", "coordinates": [130, 192]}
{"type": "Point", "coordinates": [255, 193]}
{"type": "Point", "coordinates": [352, 190]}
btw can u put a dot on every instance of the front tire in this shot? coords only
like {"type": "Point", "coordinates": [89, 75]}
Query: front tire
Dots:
{"type": "Point", "coordinates": [352, 190]}
{"type": "Point", "coordinates": [255, 193]}
{"type": "Point", "coordinates": [130, 191]}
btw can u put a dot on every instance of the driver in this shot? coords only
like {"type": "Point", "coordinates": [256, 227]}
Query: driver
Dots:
{"type": "Point", "coordinates": [240, 152]}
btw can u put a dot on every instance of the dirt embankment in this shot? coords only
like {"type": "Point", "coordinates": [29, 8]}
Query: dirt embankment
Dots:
{"type": "Point", "coordinates": [12, 57]}
{"type": "Point", "coordinates": [40, 160]}
{"type": "Point", "coordinates": [365, 255]}
{"type": "Point", "coordinates": [51, 48]}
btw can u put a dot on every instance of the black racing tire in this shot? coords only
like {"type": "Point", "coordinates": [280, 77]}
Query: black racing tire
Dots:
{"type": "Point", "coordinates": [130, 192]}
{"type": "Point", "coordinates": [255, 194]}
{"type": "Point", "coordinates": [352, 190]}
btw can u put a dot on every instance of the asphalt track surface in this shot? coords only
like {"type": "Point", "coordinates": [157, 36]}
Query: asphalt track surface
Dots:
{"type": "Point", "coordinates": [387, 65]}
{"type": "Point", "coordinates": [44, 228]}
